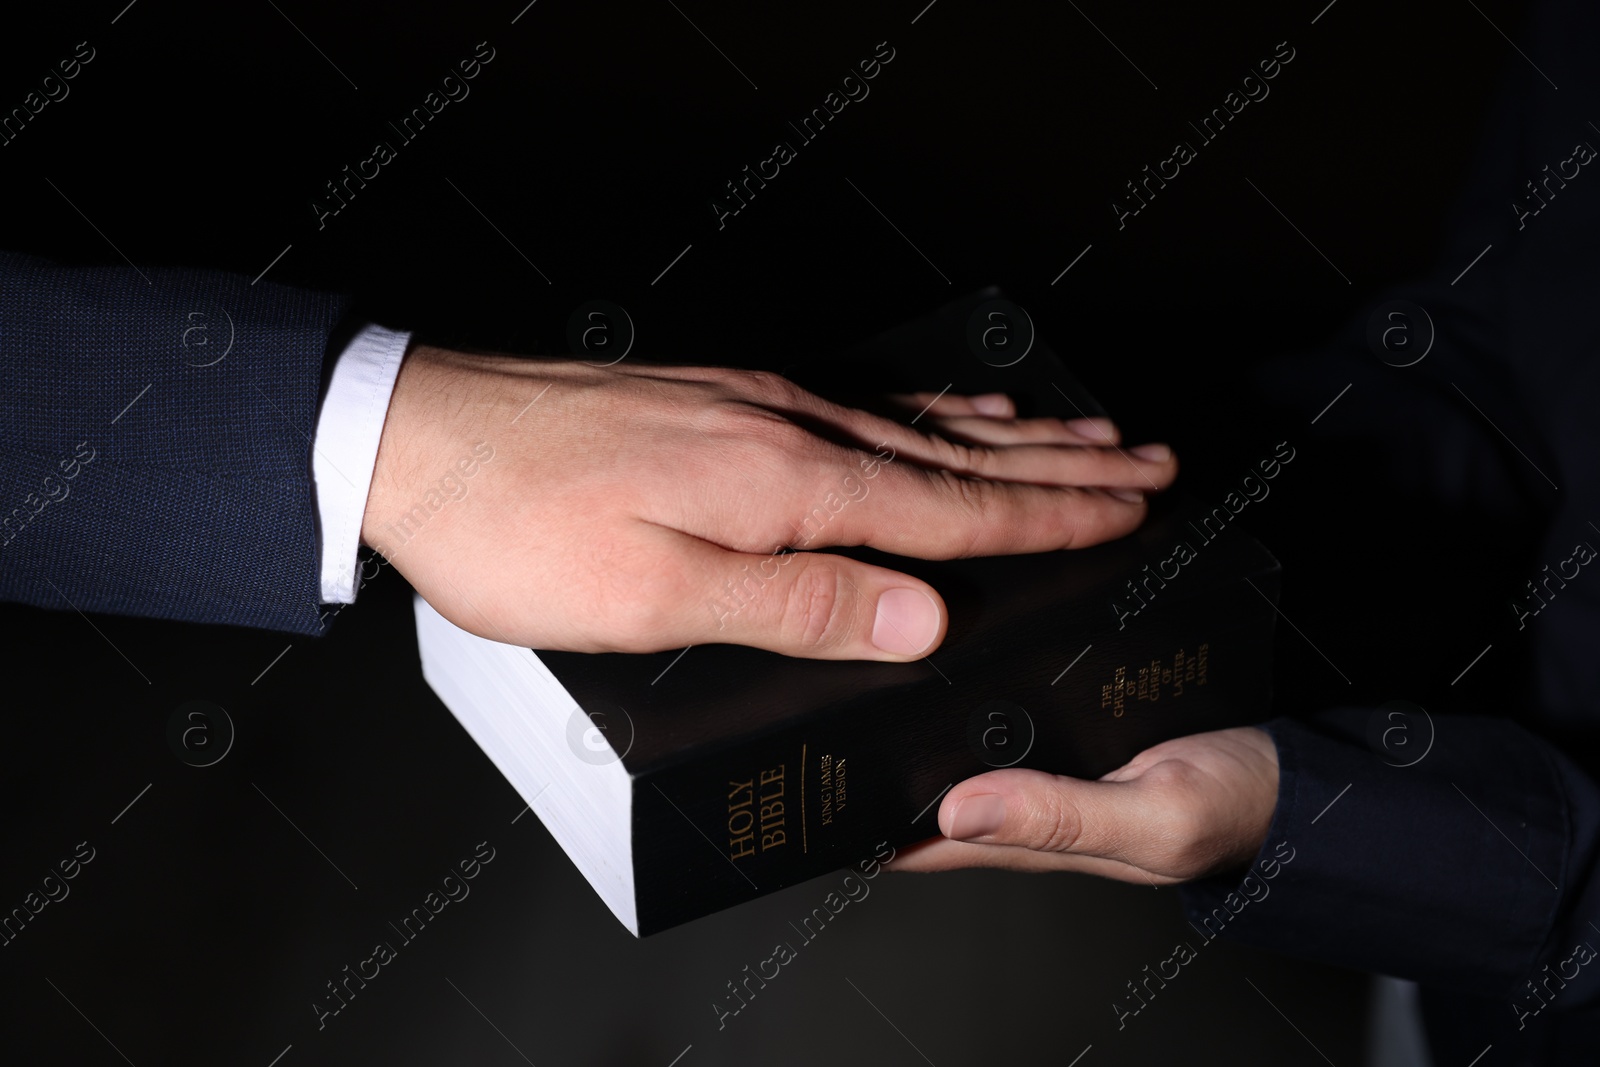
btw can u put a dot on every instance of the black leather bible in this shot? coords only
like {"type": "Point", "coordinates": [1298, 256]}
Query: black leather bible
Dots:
{"type": "Point", "coordinates": [686, 782]}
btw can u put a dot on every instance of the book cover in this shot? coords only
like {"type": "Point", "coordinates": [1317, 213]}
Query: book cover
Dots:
{"type": "Point", "coordinates": [685, 782]}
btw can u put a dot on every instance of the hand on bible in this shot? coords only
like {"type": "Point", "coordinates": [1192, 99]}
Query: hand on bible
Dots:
{"type": "Point", "coordinates": [1183, 809]}
{"type": "Point", "coordinates": [638, 508]}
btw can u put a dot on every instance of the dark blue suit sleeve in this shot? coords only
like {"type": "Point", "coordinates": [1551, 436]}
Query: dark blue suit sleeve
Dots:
{"type": "Point", "coordinates": [155, 442]}
{"type": "Point", "coordinates": [1472, 870]}
{"type": "Point", "coordinates": [1466, 870]}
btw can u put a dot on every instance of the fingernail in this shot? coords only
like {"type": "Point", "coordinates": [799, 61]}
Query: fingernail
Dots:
{"type": "Point", "coordinates": [977, 815]}
{"type": "Point", "coordinates": [908, 621]}
{"type": "Point", "coordinates": [1100, 429]}
{"type": "Point", "coordinates": [1132, 496]}
{"type": "Point", "coordinates": [1153, 453]}
{"type": "Point", "coordinates": [991, 404]}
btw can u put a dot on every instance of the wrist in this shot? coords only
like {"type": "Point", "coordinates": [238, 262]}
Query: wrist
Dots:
{"type": "Point", "coordinates": [394, 446]}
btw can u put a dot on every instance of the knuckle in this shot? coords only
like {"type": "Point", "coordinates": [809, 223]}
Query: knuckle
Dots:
{"type": "Point", "coordinates": [1062, 825]}
{"type": "Point", "coordinates": [1074, 518]}
{"type": "Point", "coordinates": [956, 456]}
{"type": "Point", "coordinates": [788, 438]}
{"type": "Point", "coordinates": [973, 501]}
{"type": "Point", "coordinates": [716, 380]}
{"type": "Point", "coordinates": [769, 386]}
{"type": "Point", "coordinates": [793, 456]}
{"type": "Point", "coordinates": [985, 460]}
{"type": "Point", "coordinates": [763, 440]}
{"type": "Point", "coordinates": [816, 613]}
{"type": "Point", "coordinates": [972, 496]}
{"type": "Point", "coordinates": [772, 428]}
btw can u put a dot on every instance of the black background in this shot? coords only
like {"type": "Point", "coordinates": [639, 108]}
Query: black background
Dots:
{"type": "Point", "coordinates": [592, 144]}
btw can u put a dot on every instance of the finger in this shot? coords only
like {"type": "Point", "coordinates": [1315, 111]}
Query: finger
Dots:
{"type": "Point", "coordinates": [831, 496]}
{"type": "Point", "coordinates": [990, 405]}
{"type": "Point", "coordinates": [1096, 430]}
{"type": "Point", "coordinates": [1149, 467]}
{"type": "Point", "coordinates": [942, 854]}
{"type": "Point", "coordinates": [808, 604]}
{"type": "Point", "coordinates": [991, 419]}
{"type": "Point", "coordinates": [912, 511]}
{"type": "Point", "coordinates": [1000, 408]}
{"type": "Point", "coordinates": [976, 430]}
{"type": "Point", "coordinates": [1050, 813]}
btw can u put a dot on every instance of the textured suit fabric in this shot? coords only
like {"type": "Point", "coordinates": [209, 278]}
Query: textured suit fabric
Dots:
{"type": "Point", "coordinates": [197, 503]}
{"type": "Point", "coordinates": [1470, 867]}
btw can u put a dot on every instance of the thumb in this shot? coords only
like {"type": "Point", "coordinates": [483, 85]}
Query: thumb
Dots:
{"type": "Point", "coordinates": [811, 604]}
{"type": "Point", "coordinates": [1046, 813]}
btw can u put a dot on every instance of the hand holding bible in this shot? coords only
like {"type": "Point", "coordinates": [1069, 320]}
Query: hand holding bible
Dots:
{"type": "Point", "coordinates": [1180, 810]}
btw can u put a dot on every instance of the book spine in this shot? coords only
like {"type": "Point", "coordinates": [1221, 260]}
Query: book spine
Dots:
{"type": "Point", "coordinates": [1071, 696]}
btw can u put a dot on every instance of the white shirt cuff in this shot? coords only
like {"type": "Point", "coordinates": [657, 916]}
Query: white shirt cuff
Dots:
{"type": "Point", "coordinates": [345, 449]}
